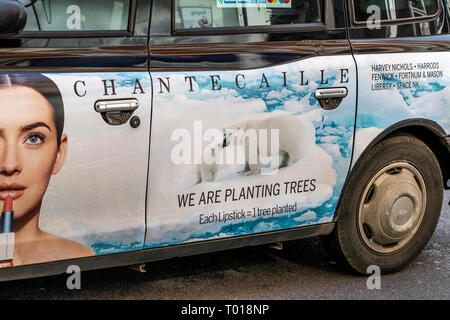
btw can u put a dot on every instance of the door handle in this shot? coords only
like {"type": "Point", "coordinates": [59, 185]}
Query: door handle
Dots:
{"type": "Point", "coordinates": [330, 98]}
{"type": "Point", "coordinates": [116, 112]}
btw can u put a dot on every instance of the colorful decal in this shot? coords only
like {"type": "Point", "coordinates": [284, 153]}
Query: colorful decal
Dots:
{"type": "Point", "coordinates": [254, 3]}
{"type": "Point", "coordinates": [207, 179]}
{"type": "Point", "coordinates": [232, 152]}
{"type": "Point", "coordinates": [399, 87]}
{"type": "Point", "coordinates": [71, 185]}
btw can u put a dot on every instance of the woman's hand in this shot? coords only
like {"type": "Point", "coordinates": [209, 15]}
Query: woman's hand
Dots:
{"type": "Point", "coordinates": [16, 261]}
{"type": "Point", "coordinates": [5, 264]}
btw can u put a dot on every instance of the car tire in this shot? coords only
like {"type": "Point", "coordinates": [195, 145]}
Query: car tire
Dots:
{"type": "Point", "coordinates": [390, 207]}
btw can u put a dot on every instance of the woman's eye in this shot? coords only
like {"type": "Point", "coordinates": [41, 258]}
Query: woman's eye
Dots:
{"type": "Point", "coordinates": [35, 139]}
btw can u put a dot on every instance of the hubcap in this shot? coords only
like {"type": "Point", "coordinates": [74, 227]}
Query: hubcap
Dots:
{"type": "Point", "coordinates": [392, 207]}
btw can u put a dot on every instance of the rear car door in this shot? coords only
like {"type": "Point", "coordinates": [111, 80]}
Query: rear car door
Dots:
{"type": "Point", "coordinates": [220, 69]}
{"type": "Point", "coordinates": [86, 194]}
{"type": "Point", "coordinates": [402, 52]}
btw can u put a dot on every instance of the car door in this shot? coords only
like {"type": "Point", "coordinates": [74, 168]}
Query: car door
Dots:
{"type": "Point", "coordinates": [220, 69]}
{"type": "Point", "coordinates": [88, 60]}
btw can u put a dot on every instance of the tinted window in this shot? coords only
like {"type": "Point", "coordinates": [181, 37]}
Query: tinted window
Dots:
{"type": "Point", "coordinates": [74, 15]}
{"type": "Point", "coordinates": [394, 9]}
{"type": "Point", "coordinates": [245, 13]}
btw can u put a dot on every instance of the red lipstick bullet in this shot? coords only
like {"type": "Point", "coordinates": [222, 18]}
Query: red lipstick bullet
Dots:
{"type": "Point", "coordinates": [7, 235]}
{"type": "Point", "coordinates": [7, 206]}
{"type": "Point", "coordinates": [7, 215]}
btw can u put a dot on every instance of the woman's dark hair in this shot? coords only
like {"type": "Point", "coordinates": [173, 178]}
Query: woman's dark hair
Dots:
{"type": "Point", "coordinates": [45, 87]}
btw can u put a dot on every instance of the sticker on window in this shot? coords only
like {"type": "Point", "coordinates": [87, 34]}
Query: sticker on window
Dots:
{"type": "Point", "coordinates": [254, 3]}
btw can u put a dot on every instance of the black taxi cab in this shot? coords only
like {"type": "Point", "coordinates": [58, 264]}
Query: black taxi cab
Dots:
{"type": "Point", "coordinates": [139, 130]}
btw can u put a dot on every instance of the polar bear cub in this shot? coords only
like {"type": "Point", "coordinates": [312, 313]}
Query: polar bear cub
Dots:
{"type": "Point", "coordinates": [207, 170]}
{"type": "Point", "coordinates": [288, 148]}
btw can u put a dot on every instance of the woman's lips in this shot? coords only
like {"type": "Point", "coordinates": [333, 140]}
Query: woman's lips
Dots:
{"type": "Point", "coordinates": [14, 190]}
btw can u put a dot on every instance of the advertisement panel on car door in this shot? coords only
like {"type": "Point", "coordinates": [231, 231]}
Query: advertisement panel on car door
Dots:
{"type": "Point", "coordinates": [249, 151]}
{"type": "Point", "coordinates": [72, 181]}
{"type": "Point", "coordinates": [399, 87]}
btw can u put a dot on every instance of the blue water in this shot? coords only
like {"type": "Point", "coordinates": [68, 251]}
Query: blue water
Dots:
{"type": "Point", "coordinates": [115, 246]}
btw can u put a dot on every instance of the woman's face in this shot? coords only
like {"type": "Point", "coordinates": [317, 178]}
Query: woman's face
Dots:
{"type": "Point", "coordinates": [29, 152]}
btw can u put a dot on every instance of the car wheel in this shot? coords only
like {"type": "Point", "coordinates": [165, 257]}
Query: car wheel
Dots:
{"type": "Point", "coordinates": [389, 208]}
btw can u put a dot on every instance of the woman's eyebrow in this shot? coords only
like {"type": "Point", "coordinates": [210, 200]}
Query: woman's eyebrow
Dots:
{"type": "Point", "coordinates": [35, 125]}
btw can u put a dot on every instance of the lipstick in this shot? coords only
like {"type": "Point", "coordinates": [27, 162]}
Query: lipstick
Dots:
{"type": "Point", "coordinates": [7, 234]}
{"type": "Point", "coordinates": [7, 215]}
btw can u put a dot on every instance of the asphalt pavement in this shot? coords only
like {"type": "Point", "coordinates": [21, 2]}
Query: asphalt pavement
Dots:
{"type": "Point", "coordinates": [302, 270]}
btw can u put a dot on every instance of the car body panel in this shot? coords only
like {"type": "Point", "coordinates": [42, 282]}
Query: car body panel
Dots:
{"type": "Point", "coordinates": [203, 83]}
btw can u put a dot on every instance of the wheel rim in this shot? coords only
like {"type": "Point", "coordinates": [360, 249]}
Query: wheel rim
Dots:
{"type": "Point", "coordinates": [392, 207]}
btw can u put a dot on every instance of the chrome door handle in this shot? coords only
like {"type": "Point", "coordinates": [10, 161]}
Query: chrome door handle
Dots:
{"type": "Point", "coordinates": [116, 112]}
{"type": "Point", "coordinates": [116, 105]}
{"type": "Point", "coordinates": [331, 93]}
{"type": "Point", "coordinates": [330, 98]}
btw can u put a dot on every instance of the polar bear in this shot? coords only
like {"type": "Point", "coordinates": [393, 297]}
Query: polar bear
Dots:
{"type": "Point", "coordinates": [289, 147]}
{"type": "Point", "coordinates": [207, 170]}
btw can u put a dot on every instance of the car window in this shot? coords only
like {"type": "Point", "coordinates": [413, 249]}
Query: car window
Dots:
{"type": "Point", "coordinates": [447, 6]}
{"type": "Point", "coordinates": [197, 14]}
{"type": "Point", "coordinates": [392, 10]}
{"type": "Point", "coordinates": [76, 15]}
